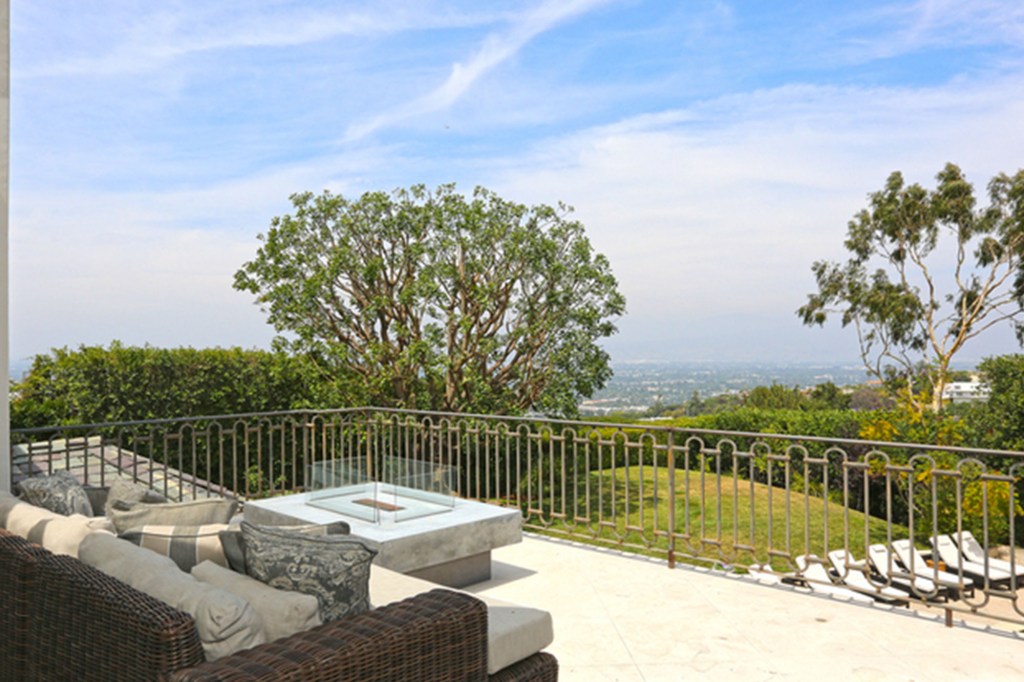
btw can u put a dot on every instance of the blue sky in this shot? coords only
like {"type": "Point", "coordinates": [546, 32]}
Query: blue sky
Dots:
{"type": "Point", "coordinates": [714, 150]}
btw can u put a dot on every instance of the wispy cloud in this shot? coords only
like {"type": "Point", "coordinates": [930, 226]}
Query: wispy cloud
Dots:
{"type": "Point", "coordinates": [904, 28]}
{"type": "Point", "coordinates": [171, 31]}
{"type": "Point", "coordinates": [496, 48]}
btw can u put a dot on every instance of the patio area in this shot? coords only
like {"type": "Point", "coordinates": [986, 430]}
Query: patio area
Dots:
{"type": "Point", "coordinates": [726, 499]}
{"type": "Point", "coordinates": [626, 618]}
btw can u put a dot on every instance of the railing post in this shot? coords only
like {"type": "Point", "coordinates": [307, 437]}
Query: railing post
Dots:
{"type": "Point", "coordinates": [671, 526]}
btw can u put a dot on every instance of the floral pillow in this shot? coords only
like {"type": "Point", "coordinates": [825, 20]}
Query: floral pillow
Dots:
{"type": "Point", "coordinates": [60, 492]}
{"type": "Point", "coordinates": [333, 568]}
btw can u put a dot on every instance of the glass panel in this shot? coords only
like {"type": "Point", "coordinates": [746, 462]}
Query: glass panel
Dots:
{"type": "Point", "coordinates": [410, 489]}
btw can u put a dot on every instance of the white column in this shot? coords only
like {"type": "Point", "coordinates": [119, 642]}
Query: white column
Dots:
{"type": "Point", "coordinates": [5, 164]}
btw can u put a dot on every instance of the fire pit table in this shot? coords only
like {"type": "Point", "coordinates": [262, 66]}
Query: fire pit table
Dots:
{"type": "Point", "coordinates": [440, 538]}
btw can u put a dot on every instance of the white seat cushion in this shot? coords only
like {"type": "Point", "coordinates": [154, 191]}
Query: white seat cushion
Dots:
{"type": "Point", "coordinates": [513, 632]}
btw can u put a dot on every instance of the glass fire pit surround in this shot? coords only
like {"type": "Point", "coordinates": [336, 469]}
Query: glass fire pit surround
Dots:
{"type": "Point", "coordinates": [381, 502]}
{"type": "Point", "coordinates": [410, 489]}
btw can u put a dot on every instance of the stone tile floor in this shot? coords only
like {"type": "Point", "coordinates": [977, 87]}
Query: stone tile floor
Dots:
{"type": "Point", "coordinates": [621, 617]}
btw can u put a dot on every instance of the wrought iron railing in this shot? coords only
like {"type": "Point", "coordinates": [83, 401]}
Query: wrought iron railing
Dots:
{"type": "Point", "coordinates": [742, 501]}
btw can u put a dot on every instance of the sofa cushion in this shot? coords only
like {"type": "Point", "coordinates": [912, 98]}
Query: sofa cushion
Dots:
{"type": "Point", "coordinates": [124, 494]}
{"type": "Point", "coordinates": [190, 513]}
{"type": "Point", "coordinates": [282, 613]}
{"type": "Point", "coordinates": [59, 492]}
{"type": "Point", "coordinates": [58, 533]}
{"type": "Point", "coordinates": [333, 568]}
{"type": "Point", "coordinates": [225, 623]}
{"type": "Point", "coordinates": [7, 503]}
{"type": "Point", "coordinates": [185, 545]}
{"type": "Point", "coordinates": [514, 632]}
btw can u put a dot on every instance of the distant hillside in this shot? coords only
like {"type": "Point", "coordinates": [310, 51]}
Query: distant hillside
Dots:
{"type": "Point", "coordinates": [638, 385]}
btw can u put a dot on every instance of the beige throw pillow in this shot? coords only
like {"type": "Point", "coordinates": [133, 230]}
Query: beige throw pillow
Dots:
{"type": "Point", "coordinates": [185, 545]}
{"type": "Point", "coordinates": [190, 513]}
{"type": "Point", "coordinates": [226, 623]}
{"type": "Point", "coordinates": [282, 613]}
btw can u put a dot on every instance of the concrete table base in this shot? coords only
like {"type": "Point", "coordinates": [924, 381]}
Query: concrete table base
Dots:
{"type": "Point", "coordinates": [451, 548]}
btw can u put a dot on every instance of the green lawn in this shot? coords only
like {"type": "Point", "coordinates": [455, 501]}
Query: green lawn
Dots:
{"type": "Point", "coordinates": [713, 520]}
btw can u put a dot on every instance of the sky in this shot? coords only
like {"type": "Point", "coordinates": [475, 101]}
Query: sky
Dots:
{"type": "Point", "coordinates": [713, 150]}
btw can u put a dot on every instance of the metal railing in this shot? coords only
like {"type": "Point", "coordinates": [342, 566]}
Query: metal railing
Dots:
{"type": "Point", "coordinates": [739, 501]}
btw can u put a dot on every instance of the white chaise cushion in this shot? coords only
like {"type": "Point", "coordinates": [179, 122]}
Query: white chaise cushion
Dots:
{"type": "Point", "coordinates": [513, 632]}
{"type": "Point", "coordinates": [226, 623]}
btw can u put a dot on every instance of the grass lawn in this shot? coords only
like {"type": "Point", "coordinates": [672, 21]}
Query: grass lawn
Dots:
{"type": "Point", "coordinates": [713, 519]}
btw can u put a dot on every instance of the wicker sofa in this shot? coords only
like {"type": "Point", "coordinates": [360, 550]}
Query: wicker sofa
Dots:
{"type": "Point", "coordinates": [63, 619]}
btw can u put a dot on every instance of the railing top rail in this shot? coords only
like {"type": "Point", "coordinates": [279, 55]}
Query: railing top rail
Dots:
{"type": "Point", "coordinates": [182, 420]}
{"type": "Point", "coordinates": [920, 447]}
{"type": "Point", "coordinates": [713, 432]}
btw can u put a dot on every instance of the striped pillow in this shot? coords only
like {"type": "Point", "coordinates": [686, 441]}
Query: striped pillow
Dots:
{"type": "Point", "coordinates": [185, 545]}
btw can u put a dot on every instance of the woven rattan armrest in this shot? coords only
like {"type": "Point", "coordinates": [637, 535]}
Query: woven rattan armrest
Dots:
{"type": "Point", "coordinates": [87, 625]}
{"type": "Point", "coordinates": [437, 635]}
{"type": "Point", "coordinates": [541, 667]}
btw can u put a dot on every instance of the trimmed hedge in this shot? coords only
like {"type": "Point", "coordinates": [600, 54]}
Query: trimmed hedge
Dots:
{"type": "Point", "coordinates": [125, 383]}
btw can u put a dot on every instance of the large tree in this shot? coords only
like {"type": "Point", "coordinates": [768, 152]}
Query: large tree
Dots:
{"type": "Point", "coordinates": [928, 272]}
{"type": "Point", "coordinates": [432, 300]}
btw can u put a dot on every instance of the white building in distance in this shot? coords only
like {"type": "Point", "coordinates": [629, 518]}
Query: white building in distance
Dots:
{"type": "Point", "coordinates": [965, 392]}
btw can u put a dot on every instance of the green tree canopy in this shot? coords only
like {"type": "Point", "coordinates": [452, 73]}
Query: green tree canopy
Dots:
{"type": "Point", "coordinates": [429, 299]}
{"type": "Point", "coordinates": [998, 422]}
{"type": "Point", "coordinates": [914, 297]}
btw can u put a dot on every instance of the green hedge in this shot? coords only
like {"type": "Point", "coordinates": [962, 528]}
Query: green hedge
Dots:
{"type": "Point", "coordinates": [124, 383]}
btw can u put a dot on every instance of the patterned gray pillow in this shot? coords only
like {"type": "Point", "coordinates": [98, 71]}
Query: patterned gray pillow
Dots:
{"type": "Point", "coordinates": [231, 540]}
{"type": "Point", "coordinates": [333, 568]}
{"type": "Point", "coordinates": [59, 492]}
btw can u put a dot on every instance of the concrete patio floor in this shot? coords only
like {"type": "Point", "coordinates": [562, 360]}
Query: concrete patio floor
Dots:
{"type": "Point", "coordinates": [621, 617]}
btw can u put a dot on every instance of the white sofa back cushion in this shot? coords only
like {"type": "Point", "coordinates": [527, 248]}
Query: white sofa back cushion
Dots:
{"type": "Point", "coordinates": [55, 532]}
{"type": "Point", "coordinates": [226, 623]}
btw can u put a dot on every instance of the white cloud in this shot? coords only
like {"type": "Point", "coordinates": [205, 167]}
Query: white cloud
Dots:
{"type": "Point", "coordinates": [713, 214]}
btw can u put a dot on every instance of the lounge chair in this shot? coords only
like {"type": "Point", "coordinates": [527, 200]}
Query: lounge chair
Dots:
{"type": "Point", "coordinates": [888, 569]}
{"type": "Point", "coordinates": [854, 574]}
{"type": "Point", "coordinates": [973, 551]}
{"type": "Point", "coordinates": [912, 559]}
{"type": "Point", "coordinates": [818, 580]}
{"type": "Point", "coordinates": [947, 550]}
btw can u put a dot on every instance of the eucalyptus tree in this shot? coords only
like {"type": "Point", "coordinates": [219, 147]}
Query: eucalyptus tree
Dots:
{"type": "Point", "coordinates": [929, 271]}
{"type": "Point", "coordinates": [428, 299]}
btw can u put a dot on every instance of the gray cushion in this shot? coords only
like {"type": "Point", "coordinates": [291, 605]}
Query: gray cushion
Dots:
{"type": "Point", "coordinates": [124, 494]}
{"type": "Point", "coordinates": [282, 613]}
{"type": "Point", "coordinates": [59, 492]}
{"type": "Point", "coordinates": [185, 545]}
{"type": "Point", "coordinates": [225, 622]}
{"type": "Point", "coordinates": [231, 540]}
{"type": "Point", "coordinates": [191, 513]}
{"type": "Point", "coordinates": [333, 568]}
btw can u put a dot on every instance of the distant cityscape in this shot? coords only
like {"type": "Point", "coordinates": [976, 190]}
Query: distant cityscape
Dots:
{"type": "Point", "coordinates": [636, 386]}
